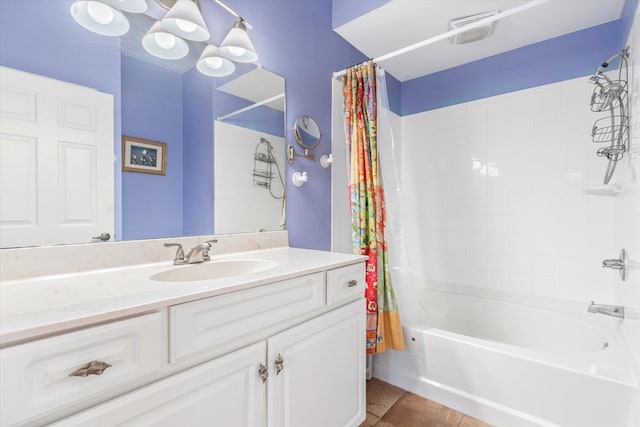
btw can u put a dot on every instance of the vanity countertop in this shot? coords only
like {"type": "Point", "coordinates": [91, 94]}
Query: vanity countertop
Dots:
{"type": "Point", "coordinates": [31, 308]}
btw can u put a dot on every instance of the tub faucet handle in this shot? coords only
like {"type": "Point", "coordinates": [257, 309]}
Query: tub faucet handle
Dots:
{"type": "Point", "coordinates": [615, 264]}
{"type": "Point", "coordinates": [619, 263]}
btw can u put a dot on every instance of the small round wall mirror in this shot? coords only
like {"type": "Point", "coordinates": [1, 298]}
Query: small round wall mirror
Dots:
{"type": "Point", "coordinates": [307, 132]}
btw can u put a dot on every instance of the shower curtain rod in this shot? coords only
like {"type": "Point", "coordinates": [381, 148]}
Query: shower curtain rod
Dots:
{"type": "Point", "coordinates": [251, 107]}
{"type": "Point", "coordinates": [479, 23]}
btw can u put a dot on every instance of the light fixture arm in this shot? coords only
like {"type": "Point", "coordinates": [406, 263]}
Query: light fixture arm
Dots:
{"type": "Point", "coordinates": [234, 13]}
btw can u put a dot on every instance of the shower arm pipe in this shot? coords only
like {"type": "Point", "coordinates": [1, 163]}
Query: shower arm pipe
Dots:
{"type": "Point", "coordinates": [476, 24]}
{"type": "Point", "coordinates": [251, 107]}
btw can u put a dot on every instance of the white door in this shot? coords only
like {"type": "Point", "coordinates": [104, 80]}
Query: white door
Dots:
{"type": "Point", "coordinates": [56, 161]}
{"type": "Point", "coordinates": [321, 378]}
{"type": "Point", "coordinates": [227, 391]}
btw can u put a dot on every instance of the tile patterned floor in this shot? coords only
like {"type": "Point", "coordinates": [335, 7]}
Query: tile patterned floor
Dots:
{"type": "Point", "coordinates": [390, 406]}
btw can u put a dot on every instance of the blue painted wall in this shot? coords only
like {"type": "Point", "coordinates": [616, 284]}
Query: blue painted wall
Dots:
{"type": "Point", "coordinates": [63, 51]}
{"type": "Point", "coordinates": [152, 203]}
{"type": "Point", "coordinates": [347, 10]}
{"type": "Point", "coordinates": [566, 57]}
{"type": "Point", "coordinates": [296, 41]}
{"type": "Point", "coordinates": [260, 119]}
{"type": "Point", "coordinates": [299, 44]}
{"type": "Point", "coordinates": [197, 192]}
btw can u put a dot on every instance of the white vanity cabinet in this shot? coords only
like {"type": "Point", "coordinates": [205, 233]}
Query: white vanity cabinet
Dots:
{"type": "Point", "coordinates": [313, 373]}
{"type": "Point", "coordinates": [226, 391]}
{"type": "Point", "coordinates": [318, 371]}
{"type": "Point", "coordinates": [46, 375]}
{"type": "Point", "coordinates": [288, 353]}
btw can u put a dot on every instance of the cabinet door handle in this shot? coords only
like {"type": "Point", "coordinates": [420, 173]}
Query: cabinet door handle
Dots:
{"type": "Point", "coordinates": [352, 283]}
{"type": "Point", "coordinates": [279, 364]}
{"type": "Point", "coordinates": [95, 367]}
{"type": "Point", "coordinates": [264, 373]}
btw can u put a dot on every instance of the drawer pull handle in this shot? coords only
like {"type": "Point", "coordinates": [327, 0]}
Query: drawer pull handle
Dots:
{"type": "Point", "coordinates": [95, 367]}
{"type": "Point", "coordinates": [352, 283]}
{"type": "Point", "coordinates": [279, 364]}
{"type": "Point", "coordinates": [264, 373]}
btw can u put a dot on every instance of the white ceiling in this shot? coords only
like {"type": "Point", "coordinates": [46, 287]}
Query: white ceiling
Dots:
{"type": "Point", "coordinates": [257, 85]}
{"type": "Point", "coordinates": [401, 23]}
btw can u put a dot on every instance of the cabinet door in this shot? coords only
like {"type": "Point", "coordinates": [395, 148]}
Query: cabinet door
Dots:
{"type": "Point", "coordinates": [317, 371]}
{"type": "Point", "coordinates": [227, 391]}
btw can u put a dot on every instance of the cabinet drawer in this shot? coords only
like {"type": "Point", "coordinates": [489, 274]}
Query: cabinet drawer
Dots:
{"type": "Point", "coordinates": [36, 376]}
{"type": "Point", "coordinates": [227, 322]}
{"type": "Point", "coordinates": [345, 284]}
{"type": "Point", "coordinates": [225, 392]}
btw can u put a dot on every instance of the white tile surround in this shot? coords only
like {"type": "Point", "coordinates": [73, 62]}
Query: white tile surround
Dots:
{"type": "Point", "coordinates": [627, 206]}
{"type": "Point", "coordinates": [25, 263]}
{"type": "Point", "coordinates": [236, 198]}
{"type": "Point", "coordinates": [498, 195]}
{"type": "Point", "coordinates": [496, 190]}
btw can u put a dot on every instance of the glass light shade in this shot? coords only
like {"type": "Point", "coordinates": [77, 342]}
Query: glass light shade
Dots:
{"type": "Point", "coordinates": [237, 46]}
{"type": "Point", "coordinates": [184, 19]}
{"type": "Point", "coordinates": [163, 44]}
{"type": "Point", "coordinates": [132, 6]}
{"type": "Point", "coordinates": [100, 18]}
{"type": "Point", "coordinates": [213, 65]}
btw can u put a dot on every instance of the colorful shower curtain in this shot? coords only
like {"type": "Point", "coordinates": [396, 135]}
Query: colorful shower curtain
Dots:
{"type": "Point", "coordinates": [384, 330]}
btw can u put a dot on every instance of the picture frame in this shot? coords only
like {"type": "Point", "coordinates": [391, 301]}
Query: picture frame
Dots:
{"type": "Point", "coordinates": [144, 155]}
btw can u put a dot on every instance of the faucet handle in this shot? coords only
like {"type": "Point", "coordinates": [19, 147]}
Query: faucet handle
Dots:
{"type": "Point", "coordinates": [210, 244]}
{"type": "Point", "coordinates": [205, 251]}
{"type": "Point", "coordinates": [179, 258]}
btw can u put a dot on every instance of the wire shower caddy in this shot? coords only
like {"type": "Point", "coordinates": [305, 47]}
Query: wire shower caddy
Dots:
{"type": "Point", "coordinates": [264, 164]}
{"type": "Point", "coordinates": [611, 96]}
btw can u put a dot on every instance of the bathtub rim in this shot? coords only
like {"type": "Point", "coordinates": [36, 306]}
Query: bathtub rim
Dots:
{"type": "Point", "coordinates": [609, 326]}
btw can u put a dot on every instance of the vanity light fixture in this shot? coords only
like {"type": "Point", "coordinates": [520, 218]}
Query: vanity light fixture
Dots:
{"type": "Point", "coordinates": [237, 45]}
{"type": "Point", "coordinates": [213, 65]}
{"type": "Point", "coordinates": [99, 17]}
{"type": "Point", "coordinates": [299, 178]}
{"type": "Point", "coordinates": [168, 37]}
{"type": "Point", "coordinates": [185, 20]}
{"type": "Point", "coordinates": [161, 43]}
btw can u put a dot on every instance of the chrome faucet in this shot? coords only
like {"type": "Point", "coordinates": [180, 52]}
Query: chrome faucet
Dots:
{"type": "Point", "coordinates": [199, 253]}
{"type": "Point", "coordinates": [609, 310]}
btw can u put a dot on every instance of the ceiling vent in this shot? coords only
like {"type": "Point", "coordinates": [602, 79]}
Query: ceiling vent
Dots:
{"type": "Point", "coordinates": [474, 34]}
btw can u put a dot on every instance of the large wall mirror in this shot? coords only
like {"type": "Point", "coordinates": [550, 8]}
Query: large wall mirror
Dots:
{"type": "Point", "coordinates": [223, 137]}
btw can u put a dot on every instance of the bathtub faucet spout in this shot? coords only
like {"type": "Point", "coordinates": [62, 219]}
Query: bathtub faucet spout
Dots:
{"type": "Point", "coordinates": [609, 310]}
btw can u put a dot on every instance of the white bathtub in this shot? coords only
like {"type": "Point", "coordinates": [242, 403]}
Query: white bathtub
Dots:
{"type": "Point", "coordinates": [515, 364]}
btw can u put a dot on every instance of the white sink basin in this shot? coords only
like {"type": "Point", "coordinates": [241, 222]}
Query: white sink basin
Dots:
{"type": "Point", "coordinates": [213, 270]}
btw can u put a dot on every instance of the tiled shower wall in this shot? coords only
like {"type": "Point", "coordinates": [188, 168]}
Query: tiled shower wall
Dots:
{"type": "Point", "coordinates": [499, 193]}
{"type": "Point", "coordinates": [627, 207]}
{"type": "Point", "coordinates": [241, 206]}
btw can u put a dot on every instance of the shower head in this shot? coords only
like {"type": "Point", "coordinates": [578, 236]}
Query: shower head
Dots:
{"type": "Point", "coordinates": [599, 73]}
{"type": "Point", "coordinates": [595, 77]}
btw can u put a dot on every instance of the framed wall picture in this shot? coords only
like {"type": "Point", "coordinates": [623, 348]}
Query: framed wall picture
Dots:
{"type": "Point", "coordinates": [143, 155]}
